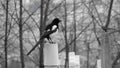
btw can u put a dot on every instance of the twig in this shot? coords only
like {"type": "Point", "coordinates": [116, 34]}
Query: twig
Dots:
{"type": "Point", "coordinates": [77, 36]}
{"type": "Point", "coordinates": [108, 18]}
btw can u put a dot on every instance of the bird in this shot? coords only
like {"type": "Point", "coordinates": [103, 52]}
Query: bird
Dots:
{"type": "Point", "coordinates": [45, 35]}
{"type": "Point", "coordinates": [56, 21]}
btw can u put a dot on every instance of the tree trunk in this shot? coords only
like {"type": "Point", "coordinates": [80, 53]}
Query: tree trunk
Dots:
{"type": "Point", "coordinates": [106, 42]}
{"type": "Point", "coordinates": [66, 43]}
{"type": "Point", "coordinates": [106, 54]}
{"type": "Point", "coordinates": [74, 17]}
{"type": "Point", "coordinates": [21, 37]}
{"type": "Point", "coordinates": [41, 57]}
{"type": "Point", "coordinates": [88, 49]}
{"type": "Point", "coordinates": [6, 34]}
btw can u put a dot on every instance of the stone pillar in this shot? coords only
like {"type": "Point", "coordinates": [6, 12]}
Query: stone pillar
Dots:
{"type": "Point", "coordinates": [51, 58]}
{"type": "Point", "coordinates": [74, 60]}
{"type": "Point", "coordinates": [99, 63]}
{"type": "Point", "coordinates": [14, 64]}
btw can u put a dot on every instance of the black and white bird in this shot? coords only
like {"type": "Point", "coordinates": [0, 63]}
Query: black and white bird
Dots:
{"type": "Point", "coordinates": [55, 22]}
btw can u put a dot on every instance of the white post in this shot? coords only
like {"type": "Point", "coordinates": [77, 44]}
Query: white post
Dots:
{"type": "Point", "coordinates": [99, 63]}
{"type": "Point", "coordinates": [74, 60]}
{"type": "Point", "coordinates": [51, 58]}
{"type": "Point", "coordinates": [77, 61]}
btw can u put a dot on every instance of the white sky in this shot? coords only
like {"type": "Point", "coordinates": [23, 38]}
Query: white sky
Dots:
{"type": "Point", "coordinates": [58, 1]}
{"type": "Point", "coordinates": [26, 1]}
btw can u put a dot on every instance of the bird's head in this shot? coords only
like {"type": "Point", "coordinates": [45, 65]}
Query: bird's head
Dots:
{"type": "Point", "coordinates": [57, 20]}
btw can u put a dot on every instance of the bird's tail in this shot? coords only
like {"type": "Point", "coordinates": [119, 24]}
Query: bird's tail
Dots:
{"type": "Point", "coordinates": [34, 47]}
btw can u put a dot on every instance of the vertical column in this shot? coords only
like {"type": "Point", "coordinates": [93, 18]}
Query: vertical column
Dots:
{"type": "Point", "coordinates": [51, 58]}
{"type": "Point", "coordinates": [99, 63]}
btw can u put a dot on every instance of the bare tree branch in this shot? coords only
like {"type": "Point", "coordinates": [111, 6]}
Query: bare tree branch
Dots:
{"type": "Point", "coordinates": [6, 35]}
{"type": "Point", "coordinates": [21, 36]}
{"type": "Point", "coordinates": [108, 18]}
{"type": "Point", "coordinates": [76, 36]}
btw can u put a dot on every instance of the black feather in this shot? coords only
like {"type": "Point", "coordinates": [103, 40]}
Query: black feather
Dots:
{"type": "Point", "coordinates": [54, 22]}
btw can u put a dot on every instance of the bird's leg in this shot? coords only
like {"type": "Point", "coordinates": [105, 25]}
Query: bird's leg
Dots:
{"type": "Point", "coordinates": [57, 26]}
{"type": "Point", "coordinates": [50, 40]}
